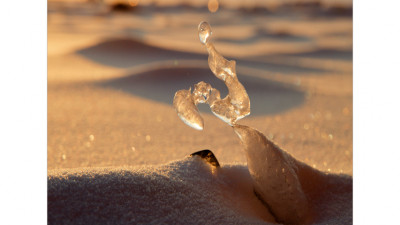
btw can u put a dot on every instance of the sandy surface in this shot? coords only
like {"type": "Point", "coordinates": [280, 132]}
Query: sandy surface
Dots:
{"type": "Point", "coordinates": [187, 191]}
{"type": "Point", "coordinates": [112, 77]}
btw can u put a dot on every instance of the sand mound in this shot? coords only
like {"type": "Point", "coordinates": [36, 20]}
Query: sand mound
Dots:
{"type": "Point", "coordinates": [182, 192]}
{"type": "Point", "coordinates": [188, 191]}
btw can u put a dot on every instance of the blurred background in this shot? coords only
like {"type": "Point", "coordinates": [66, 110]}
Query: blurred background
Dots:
{"type": "Point", "coordinates": [114, 66]}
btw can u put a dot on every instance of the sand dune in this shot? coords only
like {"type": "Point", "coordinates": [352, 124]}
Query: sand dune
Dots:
{"type": "Point", "coordinates": [116, 148]}
{"type": "Point", "coordinates": [160, 195]}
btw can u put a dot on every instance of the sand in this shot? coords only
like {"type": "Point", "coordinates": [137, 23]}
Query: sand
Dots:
{"type": "Point", "coordinates": [112, 77]}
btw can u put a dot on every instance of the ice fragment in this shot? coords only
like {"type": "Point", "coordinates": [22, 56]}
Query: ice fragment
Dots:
{"type": "Point", "coordinates": [282, 192]}
{"type": "Point", "coordinates": [233, 107]}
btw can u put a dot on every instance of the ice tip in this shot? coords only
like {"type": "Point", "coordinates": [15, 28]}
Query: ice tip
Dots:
{"type": "Point", "coordinates": [197, 126]}
{"type": "Point", "coordinates": [244, 131]}
{"type": "Point", "coordinates": [205, 32]}
{"type": "Point", "coordinates": [203, 25]}
{"type": "Point", "coordinates": [196, 123]}
{"type": "Point", "coordinates": [239, 129]}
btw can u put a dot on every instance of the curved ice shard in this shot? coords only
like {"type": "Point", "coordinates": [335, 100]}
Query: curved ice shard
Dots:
{"type": "Point", "coordinates": [186, 108]}
{"type": "Point", "coordinates": [225, 70]}
{"type": "Point", "coordinates": [233, 107]}
{"type": "Point", "coordinates": [275, 176]}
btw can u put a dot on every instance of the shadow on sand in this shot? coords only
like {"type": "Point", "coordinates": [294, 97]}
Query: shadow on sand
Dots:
{"type": "Point", "coordinates": [332, 54]}
{"type": "Point", "coordinates": [261, 34]}
{"type": "Point", "coordinates": [125, 53]}
{"type": "Point", "coordinates": [159, 83]}
{"type": "Point", "coordinates": [267, 97]}
{"type": "Point", "coordinates": [128, 53]}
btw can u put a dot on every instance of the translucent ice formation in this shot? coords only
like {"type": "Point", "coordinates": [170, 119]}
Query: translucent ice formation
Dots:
{"type": "Point", "coordinates": [277, 176]}
{"type": "Point", "coordinates": [233, 107]}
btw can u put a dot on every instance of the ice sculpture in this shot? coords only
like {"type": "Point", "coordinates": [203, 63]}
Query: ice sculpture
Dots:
{"type": "Point", "coordinates": [233, 107]}
{"type": "Point", "coordinates": [274, 172]}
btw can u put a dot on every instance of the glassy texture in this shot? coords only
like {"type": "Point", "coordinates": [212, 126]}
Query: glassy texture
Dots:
{"type": "Point", "coordinates": [274, 172]}
{"type": "Point", "coordinates": [275, 176]}
{"type": "Point", "coordinates": [233, 107]}
{"type": "Point", "coordinates": [186, 108]}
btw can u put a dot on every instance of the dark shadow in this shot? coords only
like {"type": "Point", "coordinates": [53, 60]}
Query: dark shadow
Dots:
{"type": "Point", "coordinates": [124, 53]}
{"type": "Point", "coordinates": [122, 7]}
{"type": "Point", "coordinates": [338, 11]}
{"type": "Point", "coordinates": [261, 62]}
{"type": "Point", "coordinates": [327, 54]}
{"type": "Point", "coordinates": [266, 97]}
{"type": "Point", "coordinates": [339, 34]}
{"type": "Point", "coordinates": [261, 33]}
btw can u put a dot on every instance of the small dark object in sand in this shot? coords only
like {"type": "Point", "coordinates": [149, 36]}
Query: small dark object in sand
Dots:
{"type": "Point", "coordinates": [208, 156]}
{"type": "Point", "coordinates": [122, 7]}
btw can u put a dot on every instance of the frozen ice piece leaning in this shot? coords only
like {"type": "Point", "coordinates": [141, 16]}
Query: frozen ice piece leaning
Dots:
{"type": "Point", "coordinates": [275, 177]}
